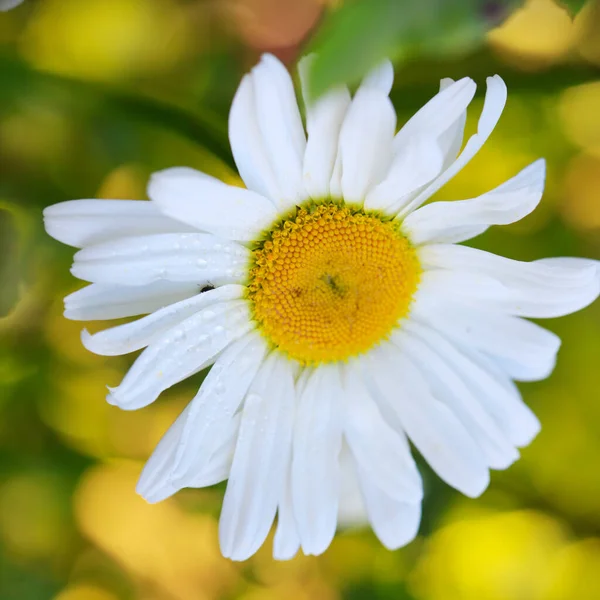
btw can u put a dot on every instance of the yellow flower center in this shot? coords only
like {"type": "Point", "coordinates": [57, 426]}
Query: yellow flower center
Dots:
{"type": "Point", "coordinates": [331, 282]}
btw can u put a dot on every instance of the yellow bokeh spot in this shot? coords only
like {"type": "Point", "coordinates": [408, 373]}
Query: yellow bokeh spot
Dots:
{"type": "Point", "coordinates": [95, 428]}
{"type": "Point", "coordinates": [124, 182]}
{"type": "Point", "coordinates": [330, 282]}
{"type": "Point", "coordinates": [575, 572]}
{"type": "Point", "coordinates": [306, 589]}
{"type": "Point", "coordinates": [106, 39]}
{"type": "Point", "coordinates": [537, 35]}
{"type": "Point", "coordinates": [85, 592]}
{"type": "Point", "coordinates": [581, 199]}
{"type": "Point", "coordinates": [174, 552]}
{"type": "Point", "coordinates": [490, 557]}
{"type": "Point", "coordinates": [587, 24]}
{"type": "Point", "coordinates": [579, 116]}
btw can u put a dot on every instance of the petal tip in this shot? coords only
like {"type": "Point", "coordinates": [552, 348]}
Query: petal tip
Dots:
{"type": "Point", "coordinates": [113, 396]}
{"type": "Point", "coordinates": [477, 486]}
{"type": "Point", "coordinates": [86, 336]}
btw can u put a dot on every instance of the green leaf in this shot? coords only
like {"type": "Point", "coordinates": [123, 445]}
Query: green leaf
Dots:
{"type": "Point", "coordinates": [15, 237]}
{"type": "Point", "coordinates": [573, 6]}
{"type": "Point", "coordinates": [200, 126]}
{"type": "Point", "coordinates": [352, 40]}
{"type": "Point", "coordinates": [363, 32]}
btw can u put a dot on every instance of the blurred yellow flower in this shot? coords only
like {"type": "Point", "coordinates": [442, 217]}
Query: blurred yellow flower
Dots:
{"type": "Point", "coordinates": [579, 116]}
{"type": "Point", "coordinates": [536, 36]}
{"type": "Point", "coordinates": [574, 573]}
{"type": "Point", "coordinates": [85, 592]}
{"type": "Point", "coordinates": [177, 553]}
{"type": "Point", "coordinates": [588, 30]}
{"type": "Point", "coordinates": [489, 557]}
{"type": "Point", "coordinates": [580, 205]}
{"type": "Point", "coordinates": [106, 39]}
{"type": "Point", "coordinates": [127, 181]}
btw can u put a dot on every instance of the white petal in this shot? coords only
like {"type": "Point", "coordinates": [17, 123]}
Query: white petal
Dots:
{"type": "Point", "coordinates": [520, 297]}
{"type": "Point", "coordinates": [560, 298]}
{"type": "Point", "coordinates": [380, 451]}
{"type": "Point", "coordinates": [211, 205]}
{"type": "Point", "coordinates": [351, 508]}
{"type": "Point", "coordinates": [380, 78]}
{"type": "Point", "coordinates": [247, 145]}
{"type": "Point", "coordinates": [366, 143]}
{"type": "Point", "coordinates": [81, 223]}
{"type": "Point", "coordinates": [435, 431]}
{"type": "Point", "coordinates": [416, 164]}
{"type": "Point", "coordinates": [496, 393]}
{"type": "Point", "coordinates": [261, 461]}
{"type": "Point", "coordinates": [199, 258]}
{"type": "Point", "coordinates": [451, 140]}
{"type": "Point", "coordinates": [527, 351]}
{"type": "Point", "coordinates": [286, 542]}
{"type": "Point", "coordinates": [553, 270]}
{"type": "Point", "coordinates": [462, 287]}
{"type": "Point", "coordinates": [456, 221]}
{"type": "Point", "coordinates": [575, 263]}
{"type": "Point", "coordinates": [217, 468]}
{"type": "Point", "coordinates": [544, 288]}
{"type": "Point", "coordinates": [99, 301]}
{"type": "Point", "coordinates": [315, 463]}
{"type": "Point", "coordinates": [525, 421]}
{"type": "Point", "coordinates": [394, 522]}
{"type": "Point", "coordinates": [425, 146]}
{"type": "Point", "coordinates": [335, 184]}
{"type": "Point", "coordinates": [447, 387]}
{"type": "Point", "coordinates": [324, 119]}
{"type": "Point", "coordinates": [9, 4]}
{"type": "Point", "coordinates": [217, 401]}
{"type": "Point", "coordinates": [280, 126]}
{"type": "Point", "coordinates": [138, 334]}
{"type": "Point", "coordinates": [180, 352]}
{"type": "Point", "coordinates": [439, 114]}
{"type": "Point", "coordinates": [584, 292]}
{"type": "Point", "coordinates": [155, 482]}
{"type": "Point", "coordinates": [495, 99]}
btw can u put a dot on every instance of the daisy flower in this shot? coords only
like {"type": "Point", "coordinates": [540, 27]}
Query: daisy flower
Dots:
{"type": "Point", "coordinates": [341, 317]}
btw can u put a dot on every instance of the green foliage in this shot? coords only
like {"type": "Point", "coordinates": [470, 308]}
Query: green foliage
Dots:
{"type": "Point", "coordinates": [573, 6]}
{"type": "Point", "coordinates": [363, 32]}
{"type": "Point", "coordinates": [15, 235]}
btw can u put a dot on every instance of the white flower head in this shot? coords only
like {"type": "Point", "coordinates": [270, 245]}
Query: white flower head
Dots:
{"type": "Point", "coordinates": [340, 316]}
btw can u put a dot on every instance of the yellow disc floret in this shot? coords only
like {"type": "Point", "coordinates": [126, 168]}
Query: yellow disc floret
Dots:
{"type": "Point", "coordinates": [330, 282]}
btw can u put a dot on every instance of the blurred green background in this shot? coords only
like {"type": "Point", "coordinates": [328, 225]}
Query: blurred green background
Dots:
{"type": "Point", "coordinates": [94, 96]}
